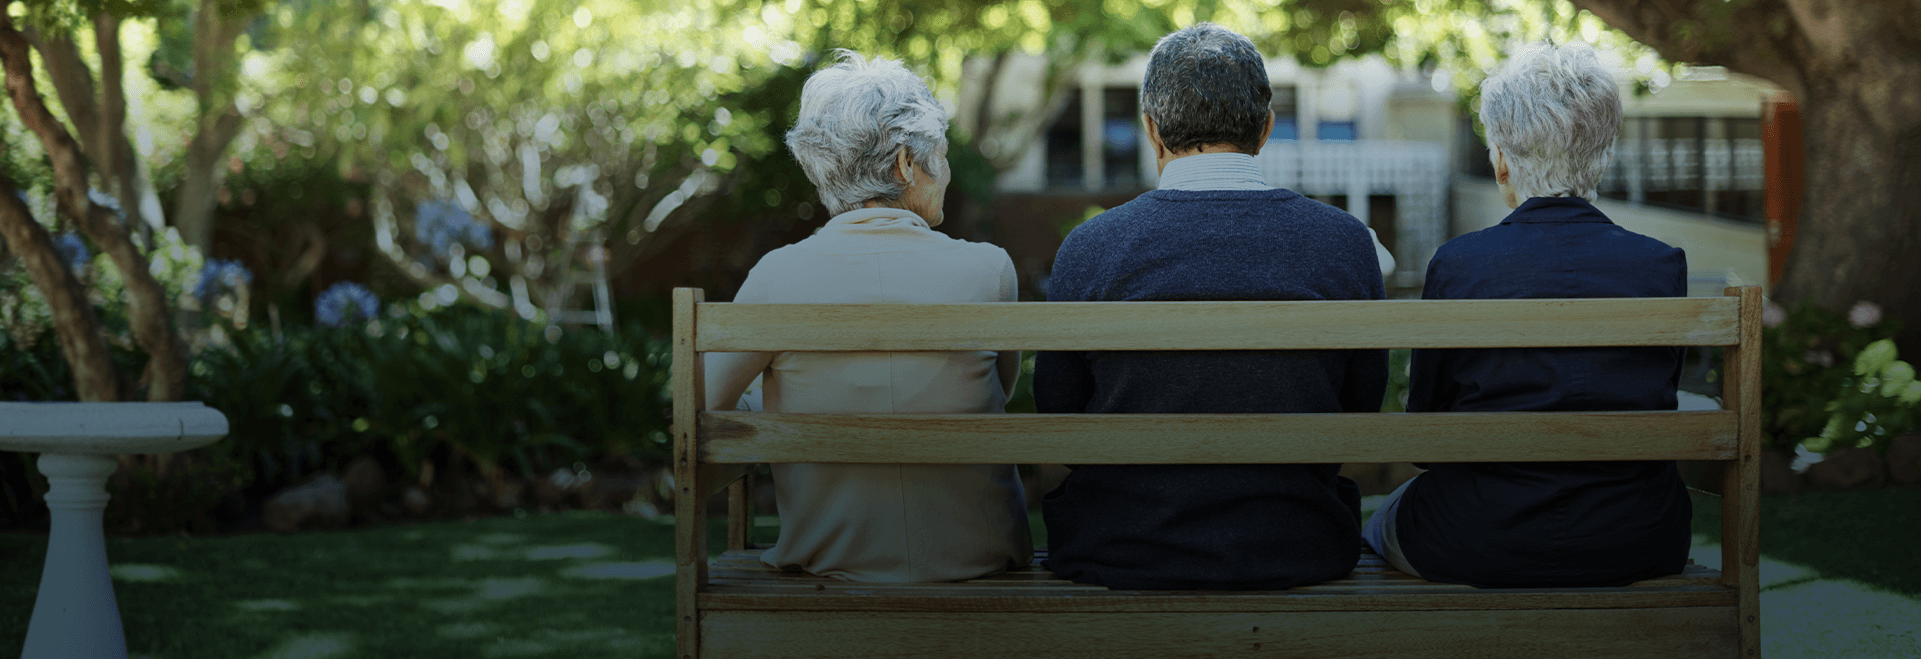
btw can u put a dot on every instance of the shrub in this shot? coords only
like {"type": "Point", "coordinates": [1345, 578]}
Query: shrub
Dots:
{"type": "Point", "coordinates": [1832, 380]}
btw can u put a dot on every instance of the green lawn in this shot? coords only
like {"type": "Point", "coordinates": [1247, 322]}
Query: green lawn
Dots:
{"type": "Point", "coordinates": [1839, 575]}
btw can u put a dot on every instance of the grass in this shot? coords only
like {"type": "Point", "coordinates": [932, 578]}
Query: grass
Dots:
{"type": "Point", "coordinates": [1839, 573]}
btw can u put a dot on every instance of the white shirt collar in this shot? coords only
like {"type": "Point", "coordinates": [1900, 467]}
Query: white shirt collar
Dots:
{"type": "Point", "coordinates": [1213, 171]}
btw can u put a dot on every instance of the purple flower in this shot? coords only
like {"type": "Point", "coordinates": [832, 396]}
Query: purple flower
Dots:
{"type": "Point", "coordinates": [440, 224]}
{"type": "Point", "coordinates": [345, 302]}
{"type": "Point", "coordinates": [73, 251]}
{"type": "Point", "coordinates": [221, 276]}
{"type": "Point", "coordinates": [1864, 314]}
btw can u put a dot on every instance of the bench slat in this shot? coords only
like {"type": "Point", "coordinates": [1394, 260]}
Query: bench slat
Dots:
{"type": "Point", "coordinates": [1706, 321]}
{"type": "Point", "coordinates": [1491, 633]}
{"type": "Point", "coordinates": [728, 594]}
{"type": "Point", "coordinates": [753, 437]}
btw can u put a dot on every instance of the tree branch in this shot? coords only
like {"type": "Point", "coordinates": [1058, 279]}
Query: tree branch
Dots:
{"type": "Point", "coordinates": [74, 323]}
{"type": "Point", "coordinates": [1755, 37]}
{"type": "Point", "coordinates": [73, 83]}
{"type": "Point", "coordinates": [146, 301]}
{"type": "Point", "coordinates": [214, 31]}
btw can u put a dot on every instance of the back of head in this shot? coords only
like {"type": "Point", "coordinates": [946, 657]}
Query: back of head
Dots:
{"type": "Point", "coordinates": [854, 117]}
{"type": "Point", "coordinates": [1207, 85]}
{"type": "Point", "coordinates": [1553, 113]}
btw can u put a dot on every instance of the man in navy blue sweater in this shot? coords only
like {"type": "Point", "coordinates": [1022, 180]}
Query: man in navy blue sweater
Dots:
{"type": "Point", "coordinates": [1213, 231]}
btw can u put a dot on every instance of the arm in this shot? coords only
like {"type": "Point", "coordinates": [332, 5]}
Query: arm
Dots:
{"type": "Point", "coordinates": [1382, 254]}
{"type": "Point", "coordinates": [727, 376]}
{"type": "Point", "coordinates": [1008, 363]}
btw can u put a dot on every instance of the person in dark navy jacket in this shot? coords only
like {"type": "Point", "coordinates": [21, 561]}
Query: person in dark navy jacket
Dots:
{"type": "Point", "coordinates": [1551, 117]}
{"type": "Point", "coordinates": [1214, 230]}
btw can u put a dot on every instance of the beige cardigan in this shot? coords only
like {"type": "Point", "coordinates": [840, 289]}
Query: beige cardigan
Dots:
{"type": "Point", "coordinates": [871, 522]}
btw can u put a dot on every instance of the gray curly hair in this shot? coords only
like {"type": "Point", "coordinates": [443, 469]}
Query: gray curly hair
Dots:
{"type": "Point", "coordinates": [854, 118]}
{"type": "Point", "coordinates": [1553, 112]}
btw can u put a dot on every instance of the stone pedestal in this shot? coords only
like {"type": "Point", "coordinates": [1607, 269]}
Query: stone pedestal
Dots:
{"type": "Point", "coordinates": [74, 613]}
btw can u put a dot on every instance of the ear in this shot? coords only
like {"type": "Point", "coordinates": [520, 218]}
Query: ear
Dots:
{"type": "Point", "coordinates": [1265, 133]}
{"type": "Point", "coordinates": [1500, 167]}
{"type": "Point", "coordinates": [903, 167]}
{"type": "Point", "coordinates": [1154, 137]}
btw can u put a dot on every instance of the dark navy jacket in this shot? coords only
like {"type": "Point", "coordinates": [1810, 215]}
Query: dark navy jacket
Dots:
{"type": "Point", "coordinates": [1548, 523]}
{"type": "Point", "coordinates": [1263, 526]}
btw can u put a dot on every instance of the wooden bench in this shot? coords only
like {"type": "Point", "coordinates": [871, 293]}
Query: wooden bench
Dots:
{"type": "Point", "coordinates": [737, 607]}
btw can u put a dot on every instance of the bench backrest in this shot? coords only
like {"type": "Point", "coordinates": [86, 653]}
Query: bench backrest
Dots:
{"type": "Point", "coordinates": [1731, 435]}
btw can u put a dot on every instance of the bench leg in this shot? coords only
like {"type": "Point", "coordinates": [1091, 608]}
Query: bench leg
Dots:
{"type": "Point", "coordinates": [75, 616]}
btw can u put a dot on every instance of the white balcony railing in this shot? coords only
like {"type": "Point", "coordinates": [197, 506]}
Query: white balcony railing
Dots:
{"type": "Point", "coordinates": [1415, 173]}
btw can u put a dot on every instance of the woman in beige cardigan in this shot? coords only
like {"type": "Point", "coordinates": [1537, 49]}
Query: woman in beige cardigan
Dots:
{"type": "Point", "coordinates": [873, 141]}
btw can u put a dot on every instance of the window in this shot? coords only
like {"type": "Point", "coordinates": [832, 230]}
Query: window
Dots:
{"type": "Point", "coordinates": [1702, 164]}
{"type": "Point", "coordinates": [1121, 128]}
{"type": "Point", "coordinates": [1335, 130]}
{"type": "Point", "coordinates": [1064, 163]}
{"type": "Point", "coordinates": [1286, 114]}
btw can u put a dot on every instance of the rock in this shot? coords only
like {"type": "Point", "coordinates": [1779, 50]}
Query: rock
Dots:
{"type": "Point", "coordinates": [560, 486]}
{"type": "Point", "coordinates": [366, 482]}
{"type": "Point", "coordinates": [1904, 459]}
{"type": "Point", "coordinates": [1777, 477]}
{"type": "Point", "coordinates": [1848, 468]}
{"type": "Point", "coordinates": [416, 500]}
{"type": "Point", "coordinates": [319, 503]}
{"type": "Point", "coordinates": [508, 494]}
{"type": "Point", "coordinates": [609, 492]}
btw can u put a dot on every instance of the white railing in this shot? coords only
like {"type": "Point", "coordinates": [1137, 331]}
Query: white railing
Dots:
{"type": "Point", "coordinates": [1415, 173]}
{"type": "Point", "coordinates": [1686, 164]}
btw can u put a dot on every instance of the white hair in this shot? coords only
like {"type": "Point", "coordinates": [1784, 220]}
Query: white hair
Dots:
{"type": "Point", "coordinates": [854, 118]}
{"type": "Point", "coordinates": [1553, 113]}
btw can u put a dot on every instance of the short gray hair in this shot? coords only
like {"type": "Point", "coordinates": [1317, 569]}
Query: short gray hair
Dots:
{"type": "Point", "coordinates": [1207, 85]}
{"type": "Point", "coordinates": [1553, 113]}
{"type": "Point", "coordinates": [854, 117]}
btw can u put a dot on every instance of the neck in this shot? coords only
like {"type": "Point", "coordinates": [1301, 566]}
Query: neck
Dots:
{"type": "Point", "coordinates": [1161, 159]}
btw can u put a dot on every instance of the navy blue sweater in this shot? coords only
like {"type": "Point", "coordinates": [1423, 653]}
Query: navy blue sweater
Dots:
{"type": "Point", "coordinates": [1521, 524]}
{"type": "Point", "coordinates": [1232, 527]}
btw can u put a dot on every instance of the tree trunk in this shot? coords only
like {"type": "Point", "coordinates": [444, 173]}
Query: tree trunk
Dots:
{"type": "Point", "coordinates": [1855, 71]}
{"type": "Point", "coordinates": [1860, 230]}
{"type": "Point", "coordinates": [215, 29]}
{"type": "Point", "coordinates": [75, 325]}
{"type": "Point", "coordinates": [147, 309]}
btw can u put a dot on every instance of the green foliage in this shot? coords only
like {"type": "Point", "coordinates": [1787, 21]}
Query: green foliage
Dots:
{"type": "Point", "coordinates": [483, 386]}
{"type": "Point", "coordinates": [1395, 398]}
{"type": "Point", "coordinates": [1831, 382]}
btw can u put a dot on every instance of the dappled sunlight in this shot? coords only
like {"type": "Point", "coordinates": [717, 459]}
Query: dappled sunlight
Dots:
{"type": "Point", "coordinates": [142, 573]}
{"type": "Point", "coordinates": [1807, 613]}
{"type": "Point", "coordinates": [500, 589]}
{"type": "Point", "coordinates": [465, 630]}
{"type": "Point", "coordinates": [478, 553]}
{"type": "Point", "coordinates": [410, 583]}
{"type": "Point", "coordinates": [1773, 573]}
{"type": "Point", "coordinates": [360, 600]}
{"type": "Point", "coordinates": [629, 571]}
{"type": "Point", "coordinates": [258, 606]}
{"type": "Point", "coordinates": [321, 645]}
{"type": "Point", "coordinates": [582, 550]}
{"type": "Point", "coordinates": [566, 642]}
{"type": "Point", "coordinates": [488, 592]}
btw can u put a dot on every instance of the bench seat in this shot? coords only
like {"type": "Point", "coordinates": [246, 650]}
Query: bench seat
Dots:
{"type": "Point", "coordinates": [1689, 614]}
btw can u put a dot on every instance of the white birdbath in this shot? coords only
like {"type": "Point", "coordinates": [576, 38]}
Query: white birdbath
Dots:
{"type": "Point", "coordinates": [75, 615]}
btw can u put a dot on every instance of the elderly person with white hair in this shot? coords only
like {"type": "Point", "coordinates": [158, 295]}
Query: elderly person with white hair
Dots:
{"type": "Point", "coordinates": [872, 139]}
{"type": "Point", "coordinates": [1551, 116]}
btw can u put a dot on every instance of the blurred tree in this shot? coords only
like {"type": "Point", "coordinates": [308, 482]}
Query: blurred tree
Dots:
{"type": "Point", "coordinates": [1855, 72]}
{"type": "Point", "coordinates": [112, 221]}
